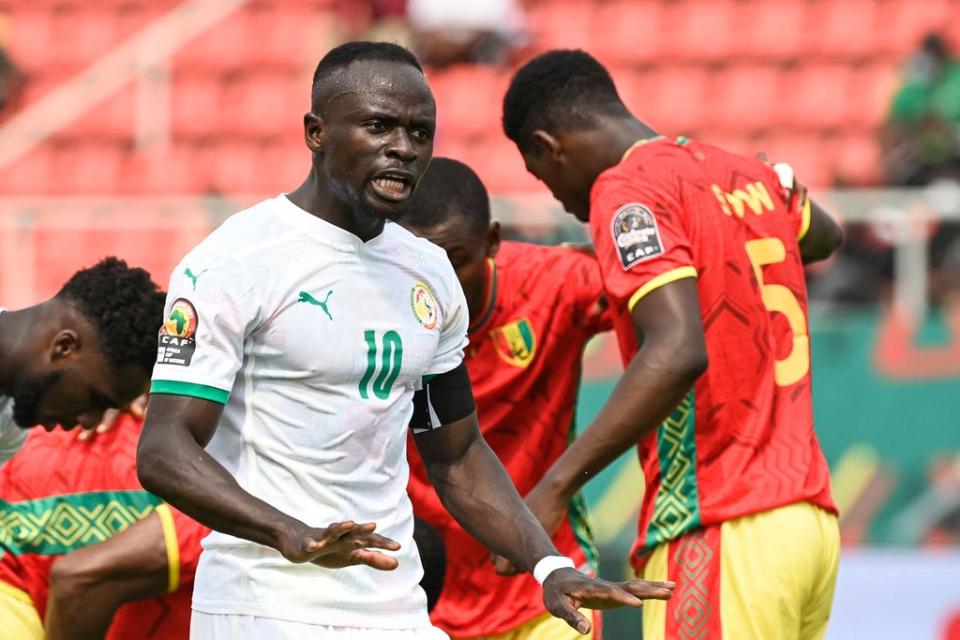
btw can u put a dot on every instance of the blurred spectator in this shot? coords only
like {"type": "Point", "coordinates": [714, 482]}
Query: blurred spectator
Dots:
{"type": "Point", "coordinates": [381, 20]}
{"type": "Point", "coordinates": [922, 140]}
{"type": "Point", "coordinates": [451, 31]}
{"type": "Point", "coordinates": [11, 79]}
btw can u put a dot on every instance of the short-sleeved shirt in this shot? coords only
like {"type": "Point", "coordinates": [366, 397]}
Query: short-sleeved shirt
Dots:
{"type": "Point", "coordinates": [524, 361]}
{"type": "Point", "coordinates": [58, 495]}
{"type": "Point", "coordinates": [12, 436]}
{"type": "Point", "coordinates": [315, 341]}
{"type": "Point", "coordinates": [743, 440]}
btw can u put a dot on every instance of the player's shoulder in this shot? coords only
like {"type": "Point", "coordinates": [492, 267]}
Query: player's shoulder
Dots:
{"type": "Point", "coordinates": [646, 169]}
{"type": "Point", "coordinates": [242, 234]}
{"type": "Point", "coordinates": [428, 260]}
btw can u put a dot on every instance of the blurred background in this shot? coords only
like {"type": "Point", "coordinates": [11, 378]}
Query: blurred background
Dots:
{"type": "Point", "coordinates": [133, 127]}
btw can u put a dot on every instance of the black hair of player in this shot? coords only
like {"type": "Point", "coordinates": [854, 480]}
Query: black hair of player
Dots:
{"type": "Point", "coordinates": [125, 308]}
{"type": "Point", "coordinates": [560, 90]}
{"type": "Point", "coordinates": [449, 189]}
{"type": "Point", "coordinates": [341, 57]}
{"type": "Point", "coordinates": [433, 557]}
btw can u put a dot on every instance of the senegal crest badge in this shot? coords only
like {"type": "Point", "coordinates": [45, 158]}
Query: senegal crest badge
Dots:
{"type": "Point", "coordinates": [424, 305]}
{"type": "Point", "coordinates": [515, 342]}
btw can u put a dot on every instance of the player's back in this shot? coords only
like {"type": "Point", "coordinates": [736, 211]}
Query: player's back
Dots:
{"type": "Point", "coordinates": [747, 427]}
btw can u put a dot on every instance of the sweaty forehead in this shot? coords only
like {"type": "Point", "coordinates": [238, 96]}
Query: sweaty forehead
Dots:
{"type": "Point", "coordinates": [370, 84]}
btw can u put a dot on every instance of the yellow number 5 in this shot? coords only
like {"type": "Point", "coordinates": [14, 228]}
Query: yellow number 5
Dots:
{"type": "Point", "coordinates": [779, 299]}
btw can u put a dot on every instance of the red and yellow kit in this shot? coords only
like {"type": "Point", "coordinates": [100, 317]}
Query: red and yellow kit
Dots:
{"type": "Point", "coordinates": [58, 495]}
{"type": "Point", "coordinates": [524, 361]}
{"type": "Point", "coordinates": [742, 442]}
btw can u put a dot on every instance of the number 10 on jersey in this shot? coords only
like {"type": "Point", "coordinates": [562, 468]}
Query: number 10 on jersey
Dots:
{"type": "Point", "coordinates": [390, 361]}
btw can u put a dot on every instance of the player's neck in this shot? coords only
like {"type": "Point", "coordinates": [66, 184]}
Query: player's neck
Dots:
{"type": "Point", "coordinates": [318, 199]}
{"type": "Point", "coordinates": [616, 135]}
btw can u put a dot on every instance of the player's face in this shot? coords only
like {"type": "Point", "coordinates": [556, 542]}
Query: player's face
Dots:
{"type": "Point", "coordinates": [564, 181]}
{"type": "Point", "coordinates": [468, 251]}
{"type": "Point", "coordinates": [375, 136]}
{"type": "Point", "coordinates": [75, 389]}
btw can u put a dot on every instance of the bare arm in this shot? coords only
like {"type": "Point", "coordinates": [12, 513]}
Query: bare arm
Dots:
{"type": "Point", "coordinates": [457, 457]}
{"type": "Point", "coordinates": [822, 238]}
{"type": "Point", "coordinates": [673, 356]}
{"type": "Point", "coordinates": [89, 585]}
{"type": "Point", "coordinates": [172, 463]}
{"type": "Point", "coordinates": [476, 490]}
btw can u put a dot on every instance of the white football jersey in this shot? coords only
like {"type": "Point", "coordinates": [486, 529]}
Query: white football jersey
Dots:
{"type": "Point", "coordinates": [12, 436]}
{"type": "Point", "coordinates": [315, 341]}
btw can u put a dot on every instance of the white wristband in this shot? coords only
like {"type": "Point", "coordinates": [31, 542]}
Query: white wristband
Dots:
{"type": "Point", "coordinates": [549, 564]}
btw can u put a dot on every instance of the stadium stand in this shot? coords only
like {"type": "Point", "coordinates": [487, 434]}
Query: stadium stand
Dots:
{"type": "Point", "coordinates": [807, 80]}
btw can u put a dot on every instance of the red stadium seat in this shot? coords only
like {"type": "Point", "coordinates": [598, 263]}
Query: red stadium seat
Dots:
{"type": "Point", "coordinates": [197, 106]}
{"type": "Point", "coordinates": [627, 31]}
{"type": "Point", "coordinates": [113, 119]}
{"type": "Point", "coordinates": [236, 168]}
{"type": "Point", "coordinates": [873, 90]}
{"type": "Point", "coordinates": [80, 34]}
{"type": "Point", "coordinates": [638, 90]}
{"type": "Point", "coordinates": [180, 170]}
{"type": "Point", "coordinates": [818, 96]}
{"type": "Point", "coordinates": [808, 154]}
{"type": "Point", "coordinates": [86, 169]}
{"type": "Point", "coordinates": [770, 30]}
{"type": "Point", "coordinates": [859, 160]}
{"type": "Point", "coordinates": [265, 106]}
{"type": "Point", "coordinates": [700, 30]}
{"type": "Point", "coordinates": [29, 175]}
{"type": "Point", "coordinates": [30, 35]}
{"type": "Point", "coordinates": [842, 29]}
{"type": "Point", "coordinates": [469, 100]}
{"type": "Point", "coordinates": [906, 22]}
{"type": "Point", "coordinates": [222, 47]}
{"type": "Point", "coordinates": [564, 24]}
{"type": "Point", "coordinates": [748, 98]}
{"type": "Point", "coordinates": [285, 35]}
{"type": "Point", "coordinates": [678, 106]}
{"type": "Point", "coordinates": [500, 166]}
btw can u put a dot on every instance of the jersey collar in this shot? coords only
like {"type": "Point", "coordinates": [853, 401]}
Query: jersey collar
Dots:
{"type": "Point", "coordinates": [491, 297]}
{"type": "Point", "coordinates": [639, 143]}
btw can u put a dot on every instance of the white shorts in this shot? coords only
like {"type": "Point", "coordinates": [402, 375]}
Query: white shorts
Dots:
{"type": "Point", "coordinates": [210, 626]}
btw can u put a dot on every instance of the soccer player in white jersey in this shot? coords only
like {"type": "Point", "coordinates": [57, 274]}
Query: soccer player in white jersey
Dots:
{"type": "Point", "coordinates": [69, 359]}
{"type": "Point", "coordinates": [302, 339]}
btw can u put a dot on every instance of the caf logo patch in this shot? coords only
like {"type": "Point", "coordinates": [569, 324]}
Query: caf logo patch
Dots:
{"type": "Point", "coordinates": [177, 343]}
{"type": "Point", "coordinates": [635, 234]}
{"type": "Point", "coordinates": [424, 305]}
{"type": "Point", "coordinates": [182, 320]}
{"type": "Point", "coordinates": [515, 342]}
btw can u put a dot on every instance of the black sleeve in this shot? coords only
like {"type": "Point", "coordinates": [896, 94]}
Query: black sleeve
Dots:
{"type": "Point", "coordinates": [444, 399]}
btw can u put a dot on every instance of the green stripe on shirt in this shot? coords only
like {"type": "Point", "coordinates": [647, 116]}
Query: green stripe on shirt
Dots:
{"type": "Point", "coordinates": [202, 391]}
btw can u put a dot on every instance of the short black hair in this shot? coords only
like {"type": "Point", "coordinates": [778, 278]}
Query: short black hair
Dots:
{"type": "Point", "coordinates": [433, 557]}
{"type": "Point", "coordinates": [449, 188]}
{"type": "Point", "coordinates": [558, 90]}
{"type": "Point", "coordinates": [125, 308]}
{"type": "Point", "coordinates": [342, 56]}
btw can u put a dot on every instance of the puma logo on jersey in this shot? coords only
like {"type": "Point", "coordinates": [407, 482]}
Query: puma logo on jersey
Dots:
{"type": "Point", "coordinates": [193, 278]}
{"type": "Point", "coordinates": [309, 299]}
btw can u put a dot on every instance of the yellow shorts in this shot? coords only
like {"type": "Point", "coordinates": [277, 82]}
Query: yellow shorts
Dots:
{"type": "Point", "coordinates": [768, 576]}
{"type": "Point", "coordinates": [18, 617]}
{"type": "Point", "coordinates": [546, 627]}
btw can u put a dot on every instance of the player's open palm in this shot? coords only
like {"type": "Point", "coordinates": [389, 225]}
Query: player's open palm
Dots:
{"type": "Point", "coordinates": [567, 590]}
{"type": "Point", "coordinates": [342, 544]}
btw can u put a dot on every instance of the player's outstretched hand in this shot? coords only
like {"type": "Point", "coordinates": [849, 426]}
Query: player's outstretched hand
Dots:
{"type": "Point", "coordinates": [342, 544]}
{"type": "Point", "coordinates": [567, 590]}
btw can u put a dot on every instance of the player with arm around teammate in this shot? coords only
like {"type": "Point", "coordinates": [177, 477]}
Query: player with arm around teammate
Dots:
{"type": "Point", "coordinates": [312, 332]}
{"type": "Point", "coordinates": [702, 253]}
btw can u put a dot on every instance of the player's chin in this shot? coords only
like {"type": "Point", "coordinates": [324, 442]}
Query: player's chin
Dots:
{"type": "Point", "coordinates": [386, 208]}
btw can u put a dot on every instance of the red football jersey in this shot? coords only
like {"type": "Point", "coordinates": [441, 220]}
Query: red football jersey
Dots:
{"type": "Point", "coordinates": [58, 494]}
{"type": "Point", "coordinates": [743, 440]}
{"type": "Point", "coordinates": [524, 361]}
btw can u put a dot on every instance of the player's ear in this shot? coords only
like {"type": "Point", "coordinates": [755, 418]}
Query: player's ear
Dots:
{"type": "Point", "coordinates": [547, 143]}
{"type": "Point", "coordinates": [494, 236]}
{"type": "Point", "coordinates": [313, 130]}
{"type": "Point", "coordinates": [65, 345]}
